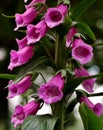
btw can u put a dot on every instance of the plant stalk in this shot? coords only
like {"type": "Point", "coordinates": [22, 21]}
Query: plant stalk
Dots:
{"type": "Point", "coordinates": [60, 61]}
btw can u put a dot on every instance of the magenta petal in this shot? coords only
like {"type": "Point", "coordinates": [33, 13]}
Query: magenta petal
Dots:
{"type": "Point", "coordinates": [58, 80]}
{"type": "Point", "coordinates": [87, 84]}
{"type": "Point", "coordinates": [81, 51]}
{"type": "Point", "coordinates": [18, 116]}
{"type": "Point", "coordinates": [21, 112]}
{"type": "Point", "coordinates": [98, 109]}
{"type": "Point", "coordinates": [13, 60]}
{"type": "Point", "coordinates": [21, 56]}
{"type": "Point", "coordinates": [55, 16]}
{"type": "Point", "coordinates": [32, 36]}
{"type": "Point", "coordinates": [87, 102]}
{"type": "Point", "coordinates": [63, 8]}
{"type": "Point", "coordinates": [26, 18]}
{"type": "Point", "coordinates": [22, 43]}
{"type": "Point", "coordinates": [20, 87]}
{"type": "Point", "coordinates": [34, 2]}
{"type": "Point", "coordinates": [36, 32]}
{"type": "Point", "coordinates": [70, 35]}
{"type": "Point", "coordinates": [26, 54]}
{"type": "Point", "coordinates": [50, 93]}
{"type": "Point", "coordinates": [31, 108]}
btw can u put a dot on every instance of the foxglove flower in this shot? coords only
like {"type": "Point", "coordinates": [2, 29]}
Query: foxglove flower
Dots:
{"type": "Point", "coordinates": [97, 108]}
{"type": "Point", "coordinates": [81, 51]}
{"type": "Point", "coordinates": [22, 112]}
{"type": "Point", "coordinates": [56, 15]}
{"type": "Point", "coordinates": [36, 32]}
{"type": "Point", "coordinates": [20, 87]}
{"type": "Point", "coordinates": [51, 92]}
{"type": "Point", "coordinates": [70, 35]}
{"type": "Point", "coordinates": [87, 84]}
{"type": "Point", "coordinates": [34, 2]}
{"type": "Point", "coordinates": [21, 43]}
{"type": "Point", "coordinates": [21, 56]}
{"type": "Point", "coordinates": [26, 18]}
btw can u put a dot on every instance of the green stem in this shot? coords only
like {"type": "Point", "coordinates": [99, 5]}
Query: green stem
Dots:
{"type": "Point", "coordinates": [56, 49]}
{"type": "Point", "coordinates": [59, 112]}
{"type": "Point", "coordinates": [60, 62]}
{"type": "Point", "coordinates": [60, 55]}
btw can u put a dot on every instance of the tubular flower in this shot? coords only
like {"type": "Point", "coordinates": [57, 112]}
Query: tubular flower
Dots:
{"type": "Point", "coordinates": [56, 15]}
{"type": "Point", "coordinates": [36, 32]}
{"type": "Point", "coordinates": [21, 43]}
{"type": "Point", "coordinates": [22, 112]}
{"type": "Point", "coordinates": [87, 84]}
{"type": "Point", "coordinates": [26, 18]}
{"type": "Point", "coordinates": [97, 108]}
{"type": "Point", "coordinates": [19, 87]}
{"type": "Point", "coordinates": [34, 2]}
{"type": "Point", "coordinates": [81, 51]}
{"type": "Point", "coordinates": [21, 56]}
{"type": "Point", "coordinates": [70, 35]}
{"type": "Point", "coordinates": [51, 92]}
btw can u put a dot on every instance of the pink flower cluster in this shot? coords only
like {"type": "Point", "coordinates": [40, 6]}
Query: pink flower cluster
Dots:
{"type": "Point", "coordinates": [82, 53]}
{"type": "Point", "coordinates": [21, 112]}
{"type": "Point", "coordinates": [52, 18]}
{"type": "Point", "coordinates": [50, 92]}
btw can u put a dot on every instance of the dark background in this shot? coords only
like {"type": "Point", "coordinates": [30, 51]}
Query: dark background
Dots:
{"type": "Point", "coordinates": [93, 17]}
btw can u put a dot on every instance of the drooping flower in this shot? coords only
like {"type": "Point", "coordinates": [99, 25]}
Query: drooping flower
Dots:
{"type": "Point", "coordinates": [21, 56]}
{"type": "Point", "coordinates": [70, 35]}
{"type": "Point", "coordinates": [21, 43]}
{"type": "Point", "coordinates": [34, 2]}
{"type": "Point", "coordinates": [56, 15]}
{"type": "Point", "coordinates": [26, 18]}
{"type": "Point", "coordinates": [36, 32]}
{"type": "Point", "coordinates": [97, 108]}
{"type": "Point", "coordinates": [22, 112]}
{"type": "Point", "coordinates": [81, 51]}
{"type": "Point", "coordinates": [20, 87]}
{"type": "Point", "coordinates": [87, 84]}
{"type": "Point", "coordinates": [51, 92]}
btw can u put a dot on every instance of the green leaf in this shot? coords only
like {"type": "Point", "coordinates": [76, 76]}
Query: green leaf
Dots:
{"type": "Point", "coordinates": [29, 67]}
{"type": "Point", "coordinates": [39, 122]}
{"type": "Point", "coordinates": [90, 120]}
{"type": "Point", "coordinates": [80, 8]}
{"type": "Point", "coordinates": [7, 76]}
{"type": "Point", "coordinates": [86, 29]}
